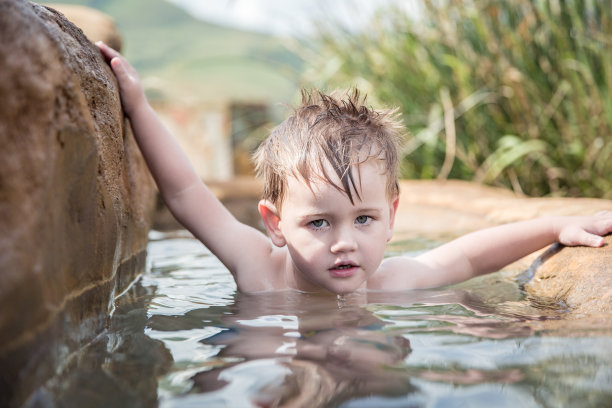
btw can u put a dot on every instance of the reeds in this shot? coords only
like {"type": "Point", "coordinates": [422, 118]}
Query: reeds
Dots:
{"type": "Point", "coordinates": [514, 93]}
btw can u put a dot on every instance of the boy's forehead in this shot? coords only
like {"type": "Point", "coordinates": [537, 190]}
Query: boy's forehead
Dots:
{"type": "Point", "coordinates": [371, 171]}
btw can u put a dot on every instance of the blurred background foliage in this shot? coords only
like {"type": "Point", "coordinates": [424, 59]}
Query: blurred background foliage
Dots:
{"type": "Point", "coordinates": [511, 93]}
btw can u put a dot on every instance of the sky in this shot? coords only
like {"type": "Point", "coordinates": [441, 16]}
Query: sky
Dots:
{"type": "Point", "coordinates": [285, 17]}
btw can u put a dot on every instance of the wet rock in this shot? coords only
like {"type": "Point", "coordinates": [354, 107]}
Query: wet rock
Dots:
{"type": "Point", "coordinates": [75, 196]}
{"type": "Point", "coordinates": [580, 277]}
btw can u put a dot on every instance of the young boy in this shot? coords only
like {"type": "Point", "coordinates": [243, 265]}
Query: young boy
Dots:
{"type": "Point", "coordinates": [330, 199]}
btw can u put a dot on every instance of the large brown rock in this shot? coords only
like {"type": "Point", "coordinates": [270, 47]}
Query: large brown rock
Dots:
{"type": "Point", "coordinates": [75, 196]}
{"type": "Point", "coordinates": [579, 277]}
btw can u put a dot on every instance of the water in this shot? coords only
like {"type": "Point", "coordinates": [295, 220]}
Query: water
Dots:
{"type": "Point", "coordinates": [182, 336]}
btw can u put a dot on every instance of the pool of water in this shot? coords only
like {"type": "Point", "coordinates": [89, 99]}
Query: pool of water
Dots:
{"type": "Point", "coordinates": [182, 336]}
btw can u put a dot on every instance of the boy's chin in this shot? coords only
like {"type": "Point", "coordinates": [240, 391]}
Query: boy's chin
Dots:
{"type": "Point", "coordinates": [345, 288]}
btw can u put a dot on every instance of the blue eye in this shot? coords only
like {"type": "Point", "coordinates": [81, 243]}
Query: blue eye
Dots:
{"type": "Point", "coordinates": [362, 219]}
{"type": "Point", "coordinates": [319, 223]}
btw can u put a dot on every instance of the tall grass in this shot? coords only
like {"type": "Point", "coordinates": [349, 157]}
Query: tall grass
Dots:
{"type": "Point", "coordinates": [514, 93]}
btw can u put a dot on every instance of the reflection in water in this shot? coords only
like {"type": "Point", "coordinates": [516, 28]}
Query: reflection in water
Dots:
{"type": "Point", "coordinates": [297, 349]}
{"type": "Point", "coordinates": [481, 343]}
{"type": "Point", "coordinates": [184, 337]}
{"type": "Point", "coordinates": [320, 353]}
{"type": "Point", "coordinates": [120, 368]}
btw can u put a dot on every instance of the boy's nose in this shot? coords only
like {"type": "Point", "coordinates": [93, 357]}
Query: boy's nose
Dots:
{"type": "Point", "coordinates": [344, 241]}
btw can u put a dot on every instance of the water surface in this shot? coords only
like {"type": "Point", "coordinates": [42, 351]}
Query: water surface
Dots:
{"type": "Point", "coordinates": [183, 336]}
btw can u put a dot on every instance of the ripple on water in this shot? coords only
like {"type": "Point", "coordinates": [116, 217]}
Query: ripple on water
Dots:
{"type": "Point", "coordinates": [481, 343]}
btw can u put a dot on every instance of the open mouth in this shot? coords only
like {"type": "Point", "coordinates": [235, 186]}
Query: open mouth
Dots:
{"type": "Point", "coordinates": [345, 266]}
{"type": "Point", "coordinates": [343, 270]}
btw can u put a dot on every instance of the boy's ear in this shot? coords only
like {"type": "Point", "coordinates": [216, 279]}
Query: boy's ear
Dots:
{"type": "Point", "coordinates": [392, 212]}
{"type": "Point", "coordinates": [271, 219]}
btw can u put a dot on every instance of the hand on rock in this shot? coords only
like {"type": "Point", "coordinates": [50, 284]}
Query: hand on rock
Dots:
{"type": "Point", "coordinates": [132, 94]}
{"type": "Point", "coordinates": [587, 231]}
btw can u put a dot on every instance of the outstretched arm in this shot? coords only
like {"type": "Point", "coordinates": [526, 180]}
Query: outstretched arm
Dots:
{"type": "Point", "coordinates": [491, 249]}
{"type": "Point", "coordinates": [187, 197]}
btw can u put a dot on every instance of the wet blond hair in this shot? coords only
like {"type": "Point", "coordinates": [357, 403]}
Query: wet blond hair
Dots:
{"type": "Point", "coordinates": [336, 131]}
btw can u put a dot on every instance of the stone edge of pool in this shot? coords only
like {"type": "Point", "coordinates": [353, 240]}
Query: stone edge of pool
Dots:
{"type": "Point", "coordinates": [76, 198]}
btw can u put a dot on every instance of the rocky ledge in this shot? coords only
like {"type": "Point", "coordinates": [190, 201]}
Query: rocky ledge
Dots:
{"type": "Point", "coordinates": [75, 196]}
{"type": "Point", "coordinates": [578, 277]}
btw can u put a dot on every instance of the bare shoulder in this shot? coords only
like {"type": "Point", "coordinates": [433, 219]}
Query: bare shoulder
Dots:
{"type": "Point", "coordinates": [261, 266]}
{"type": "Point", "coordinates": [403, 273]}
{"type": "Point", "coordinates": [246, 252]}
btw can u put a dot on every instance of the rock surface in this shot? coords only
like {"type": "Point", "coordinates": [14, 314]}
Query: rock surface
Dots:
{"type": "Point", "coordinates": [579, 277]}
{"type": "Point", "coordinates": [75, 196]}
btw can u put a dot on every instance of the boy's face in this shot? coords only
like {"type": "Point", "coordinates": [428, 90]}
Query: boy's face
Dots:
{"type": "Point", "coordinates": [335, 245]}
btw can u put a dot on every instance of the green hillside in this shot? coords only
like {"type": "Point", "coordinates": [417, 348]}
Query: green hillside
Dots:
{"type": "Point", "coordinates": [183, 55]}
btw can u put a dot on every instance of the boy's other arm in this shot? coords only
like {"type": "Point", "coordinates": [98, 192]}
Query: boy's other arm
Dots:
{"type": "Point", "coordinates": [491, 249]}
{"type": "Point", "coordinates": [187, 197]}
